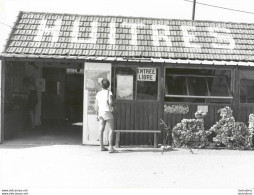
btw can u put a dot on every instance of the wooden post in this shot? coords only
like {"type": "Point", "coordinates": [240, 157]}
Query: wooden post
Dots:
{"type": "Point", "coordinates": [117, 144]}
{"type": "Point", "coordinates": [162, 77]}
{"type": "Point", "coordinates": [2, 96]}
{"type": "Point", "coordinates": [155, 140]}
{"type": "Point", "coordinates": [236, 90]}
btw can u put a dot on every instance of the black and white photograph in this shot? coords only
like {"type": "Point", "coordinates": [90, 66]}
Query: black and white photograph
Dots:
{"type": "Point", "coordinates": [126, 97]}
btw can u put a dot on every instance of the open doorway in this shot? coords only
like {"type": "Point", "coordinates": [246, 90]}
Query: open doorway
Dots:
{"type": "Point", "coordinates": [74, 82]}
{"type": "Point", "coordinates": [59, 111]}
{"type": "Point", "coordinates": [62, 103]}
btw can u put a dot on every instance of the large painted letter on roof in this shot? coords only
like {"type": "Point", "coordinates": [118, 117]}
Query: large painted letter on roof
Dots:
{"type": "Point", "coordinates": [75, 33]}
{"type": "Point", "coordinates": [189, 37]}
{"type": "Point", "coordinates": [133, 27]}
{"type": "Point", "coordinates": [112, 34]}
{"type": "Point", "coordinates": [157, 37]}
{"type": "Point", "coordinates": [222, 35]}
{"type": "Point", "coordinates": [53, 30]}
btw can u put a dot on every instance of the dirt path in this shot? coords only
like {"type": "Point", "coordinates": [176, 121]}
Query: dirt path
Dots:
{"type": "Point", "coordinates": [77, 166]}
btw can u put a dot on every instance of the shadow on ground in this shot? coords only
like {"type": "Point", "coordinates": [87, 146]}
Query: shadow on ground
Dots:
{"type": "Point", "coordinates": [45, 136]}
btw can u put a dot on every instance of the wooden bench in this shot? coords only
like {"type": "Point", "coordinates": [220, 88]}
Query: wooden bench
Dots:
{"type": "Point", "coordinates": [117, 140]}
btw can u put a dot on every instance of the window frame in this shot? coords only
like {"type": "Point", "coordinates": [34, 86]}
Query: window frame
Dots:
{"type": "Point", "coordinates": [209, 97]}
{"type": "Point", "coordinates": [239, 88]}
{"type": "Point", "coordinates": [136, 66]}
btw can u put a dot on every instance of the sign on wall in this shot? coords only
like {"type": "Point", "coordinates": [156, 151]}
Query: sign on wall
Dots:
{"type": "Point", "coordinates": [93, 79]}
{"type": "Point", "coordinates": [176, 109]}
{"type": "Point", "coordinates": [146, 74]}
{"type": "Point", "coordinates": [91, 101]}
{"type": "Point", "coordinates": [41, 83]}
{"type": "Point", "coordinates": [124, 88]}
{"type": "Point", "coordinates": [202, 108]}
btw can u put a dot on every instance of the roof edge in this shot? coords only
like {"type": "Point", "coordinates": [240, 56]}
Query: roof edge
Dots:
{"type": "Point", "coordinates": [136, 17]}
{"type": "Point", "coordinates": [12, 31]}
{"type": "Point", "coordinates": [127, 59]}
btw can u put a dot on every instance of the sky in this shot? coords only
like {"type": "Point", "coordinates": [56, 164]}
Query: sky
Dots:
{"type": "Point", "coordinates": [170, 9]}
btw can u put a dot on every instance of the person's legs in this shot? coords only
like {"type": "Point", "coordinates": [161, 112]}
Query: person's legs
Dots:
{"type": "Point", "coordinates": [102, 124]}
{"type": "Point", "coordinates": [110, 124]}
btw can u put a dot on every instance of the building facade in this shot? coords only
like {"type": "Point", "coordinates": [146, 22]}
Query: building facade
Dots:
{"type": "Point", "coordinates": [158, 68]}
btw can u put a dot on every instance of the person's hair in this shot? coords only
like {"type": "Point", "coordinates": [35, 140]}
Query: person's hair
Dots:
{"type": "Point", "coordinates": [105, 83]}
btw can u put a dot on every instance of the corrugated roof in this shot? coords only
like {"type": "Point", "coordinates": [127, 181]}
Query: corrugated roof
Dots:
{"type": "Point", "coordinates": [66, 35]}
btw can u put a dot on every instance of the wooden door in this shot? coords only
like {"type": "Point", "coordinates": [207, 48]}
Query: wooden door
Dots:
{"type": "Point", "coordinates": [94, 73]}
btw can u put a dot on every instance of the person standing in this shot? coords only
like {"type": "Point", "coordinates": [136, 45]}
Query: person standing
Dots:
{"type": "Point", "coordinates": [32, 99]}
{"type": "Point", "coordinates": [104, 99]}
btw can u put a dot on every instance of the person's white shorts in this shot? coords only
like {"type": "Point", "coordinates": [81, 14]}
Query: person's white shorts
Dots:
{"type": "Point", "coordinates": [105, 115]}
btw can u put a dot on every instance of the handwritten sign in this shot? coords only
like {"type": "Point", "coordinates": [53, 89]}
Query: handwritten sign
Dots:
{"type": "Point", "coordinates": [146, 74]}
{"type": "Point", "coordinates": [91, 101]}
{"type": "Point", "coordinates": [176, 109]}
{"type": "Point", "coordinates": [202, 108]}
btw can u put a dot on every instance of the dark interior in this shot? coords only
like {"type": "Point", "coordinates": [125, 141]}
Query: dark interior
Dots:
{"type": "Point", "coordinates": [61, 111]}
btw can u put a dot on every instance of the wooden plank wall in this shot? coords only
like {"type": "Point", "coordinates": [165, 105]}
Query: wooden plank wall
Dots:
{"type": "Point", "coordinates": [244, 112]}
{"type": "Point", "coordinates": [146, 115]}
{"type": "Point", "coordinates": [210, 119]}
{"type": "Point", "coordinates": [140, 115]}
{"type": "Point", "coordinates": [2, 98]}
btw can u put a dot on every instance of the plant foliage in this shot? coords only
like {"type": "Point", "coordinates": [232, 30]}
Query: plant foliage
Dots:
{"type": "Point", "coordinates": [190, 132]}
{"type": "Point", "coordinates": [230, 134]}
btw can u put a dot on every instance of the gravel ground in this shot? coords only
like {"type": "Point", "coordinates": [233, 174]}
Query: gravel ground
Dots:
{"type": "Point", "coordinates": [77, 166]}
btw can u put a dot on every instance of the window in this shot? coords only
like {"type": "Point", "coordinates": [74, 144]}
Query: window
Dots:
{"type": "Point", "coordinates": [246, 86]}
{"type": "Point", "coordinates": [136, 83]}
{"type": "Point", "coordinates": [198, 85]}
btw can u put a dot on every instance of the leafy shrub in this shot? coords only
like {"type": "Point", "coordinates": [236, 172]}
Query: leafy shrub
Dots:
{"type": "Point", "coordinates": [190, 132]}
{"type": "Point", "coordinates": [230, 134]}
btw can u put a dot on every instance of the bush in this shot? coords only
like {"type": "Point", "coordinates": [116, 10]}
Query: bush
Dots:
{"type": "Point", "coordinates": [230, 134]}
{"type": "Point", "coordinates": [190, 132]}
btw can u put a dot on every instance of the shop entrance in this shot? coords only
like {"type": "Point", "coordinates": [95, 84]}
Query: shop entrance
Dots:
{"type": "Point", "coordinates": [62, 101]}
{"type": "Point", "coordinates": [59, 111]}
{"type": "Point", "coordinates": [53, 97]}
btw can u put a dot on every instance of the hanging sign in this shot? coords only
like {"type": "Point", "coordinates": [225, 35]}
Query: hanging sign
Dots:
{"type": "Point", "coordinates": [74, 71]}
{"type": "Point", "coordinates": [41, 84]}
{"type": "Point", "coordinates": [146, 74]}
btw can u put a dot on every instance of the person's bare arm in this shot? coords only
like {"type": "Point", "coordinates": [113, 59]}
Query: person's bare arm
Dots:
{"type": "Point", "coordinates": [111, 100]}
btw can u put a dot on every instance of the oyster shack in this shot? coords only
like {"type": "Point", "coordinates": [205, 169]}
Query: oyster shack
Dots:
{"type": "Point", "coordinates": [158, 68]}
